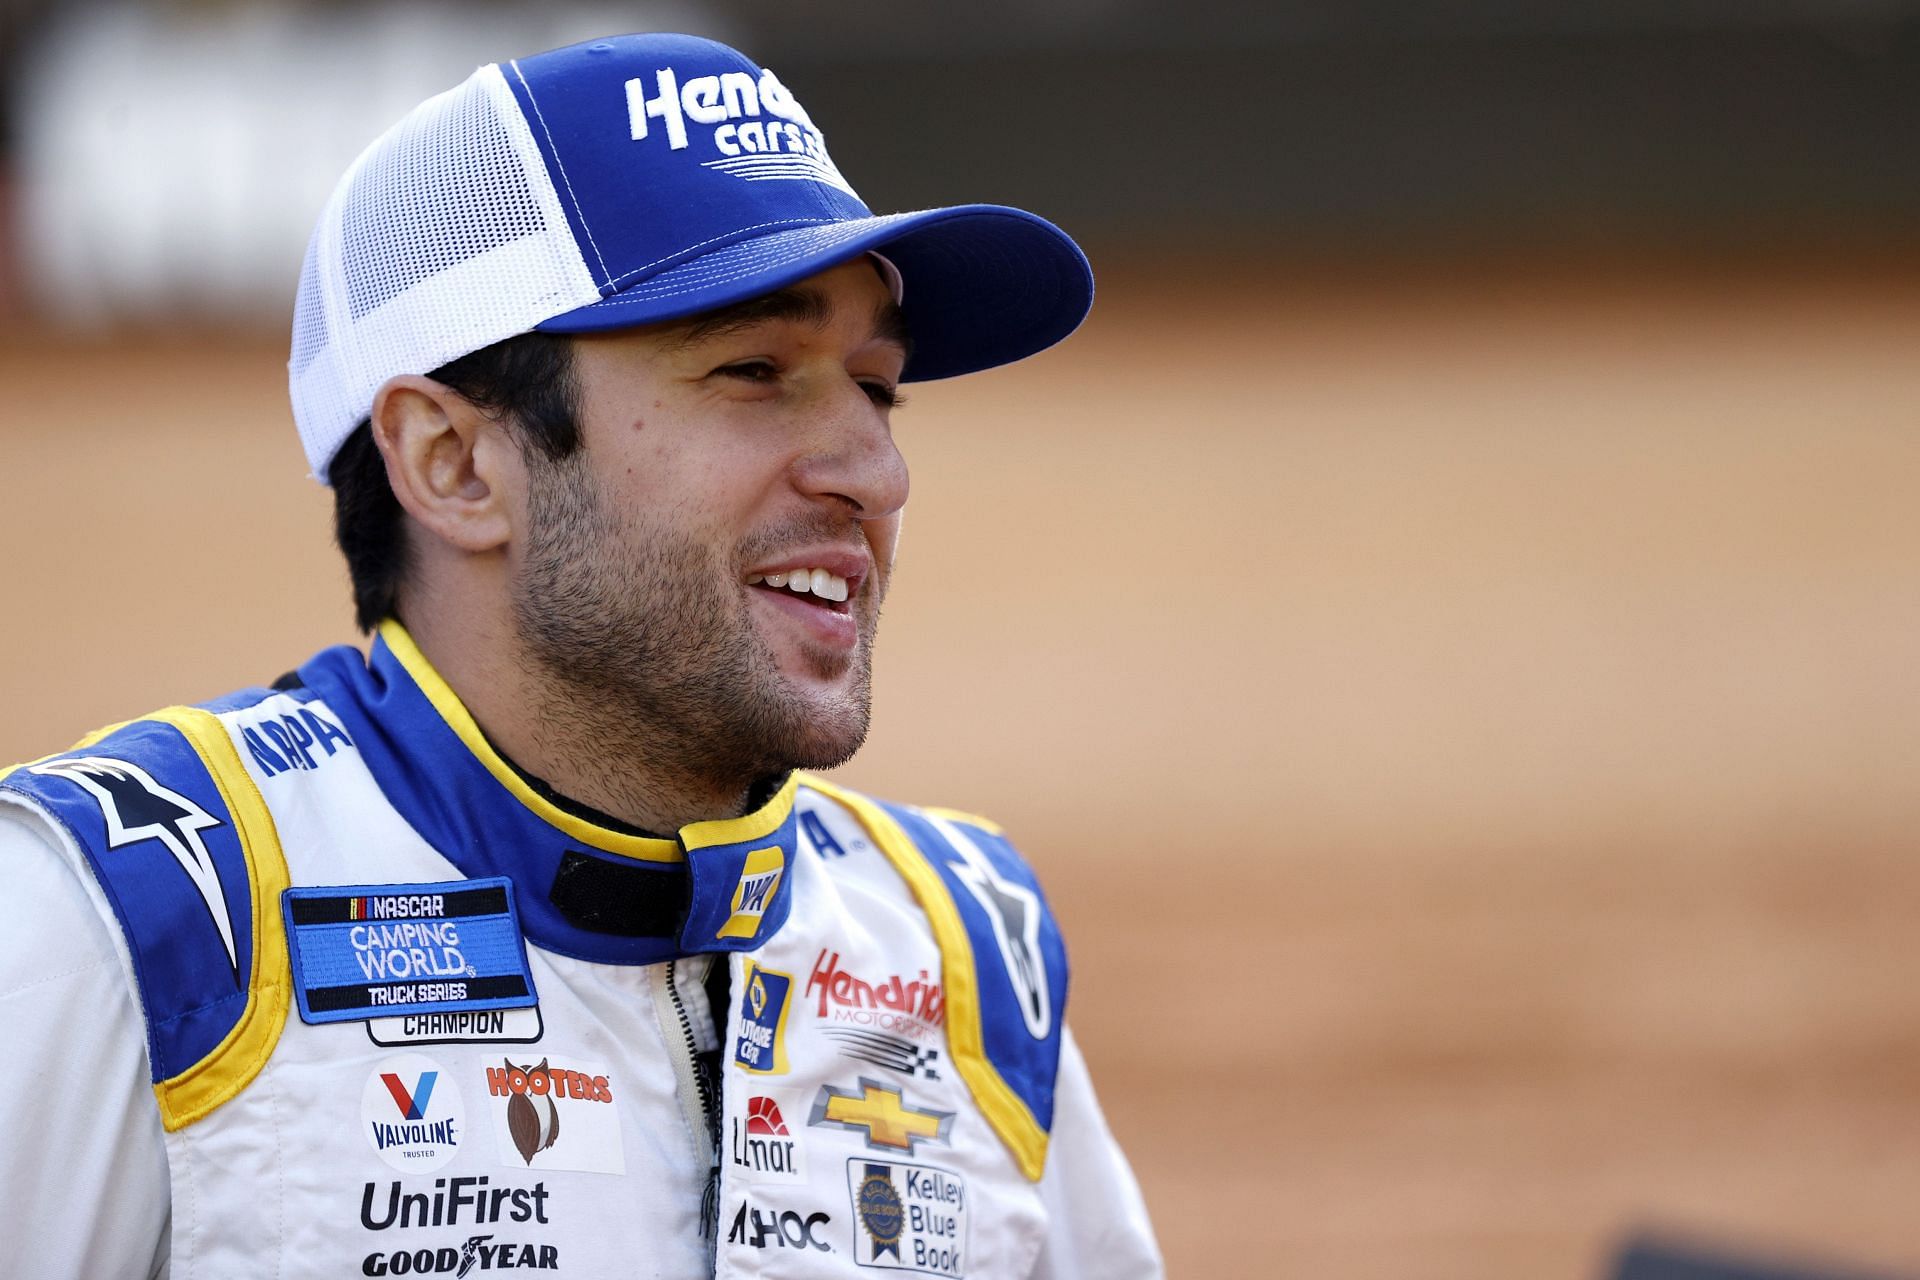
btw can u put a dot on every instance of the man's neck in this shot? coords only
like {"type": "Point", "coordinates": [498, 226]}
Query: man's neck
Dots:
{"type": "Point", "coordinates": [578, 746]}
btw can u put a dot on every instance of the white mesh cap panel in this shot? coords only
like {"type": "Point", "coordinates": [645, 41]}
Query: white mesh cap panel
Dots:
{"type": "Point", "coordinates": [445, 236]}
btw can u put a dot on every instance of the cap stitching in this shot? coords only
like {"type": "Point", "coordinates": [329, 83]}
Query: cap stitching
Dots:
{"type": "Point", "coordinates": [562, 166]}
{"type": "Point", "coordinates": [745, 270]}
{"type": "Point", "coordinates": [686, 249]}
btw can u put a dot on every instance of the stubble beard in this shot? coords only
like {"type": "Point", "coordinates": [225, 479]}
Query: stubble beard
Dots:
{"type": "Point", "coordinates": [644, 642]}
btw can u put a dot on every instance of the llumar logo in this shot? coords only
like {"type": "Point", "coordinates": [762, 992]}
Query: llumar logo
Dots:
{"type": "Point", "coordinates": [910, 1008]}
{"type": "Point", "coordinates": [751, 146]}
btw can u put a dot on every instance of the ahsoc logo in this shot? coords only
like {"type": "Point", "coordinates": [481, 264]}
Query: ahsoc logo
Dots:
{"type": "Point", "coordinates": [766, 1229]}
{"type": "Point", "coordinates": [411, 1113]}
{"type": "Point", "coordinates": [762, 1046]}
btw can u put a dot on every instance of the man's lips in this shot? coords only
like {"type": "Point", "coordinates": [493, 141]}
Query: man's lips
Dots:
{"type": "Point", "coordinates": [827, 573]}
{"type": "Point", "coordinates": [814, 589]}
{"type": "Point", "coordinates": [823, 622]}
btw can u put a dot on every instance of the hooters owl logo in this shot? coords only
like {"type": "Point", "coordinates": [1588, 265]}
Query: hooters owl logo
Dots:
{"type": "Point", "coordinates": [534, 1127]}
{"type": "Point", "coordinates": [556, 1116]}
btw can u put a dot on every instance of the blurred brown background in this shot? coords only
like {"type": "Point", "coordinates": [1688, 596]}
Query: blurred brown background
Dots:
{"type": "Point", "coordinates": [1445, 629]}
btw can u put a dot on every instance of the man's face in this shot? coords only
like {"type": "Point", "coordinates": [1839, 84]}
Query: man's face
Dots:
{"type": "Point", "coordinates": [723, 461]}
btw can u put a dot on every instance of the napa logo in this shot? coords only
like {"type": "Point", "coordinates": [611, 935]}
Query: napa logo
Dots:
{"type": "Point", "coordinates": [759, 881]}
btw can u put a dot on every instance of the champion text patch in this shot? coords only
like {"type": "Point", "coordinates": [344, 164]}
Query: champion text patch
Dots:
{"type": "Point", "coordinates": [384, 950]}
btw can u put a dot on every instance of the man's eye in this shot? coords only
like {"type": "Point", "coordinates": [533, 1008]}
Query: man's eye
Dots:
{"type": "Point", "coordinates": [749, 371]}
{"type": "Point", "coordinates": [883, 394]}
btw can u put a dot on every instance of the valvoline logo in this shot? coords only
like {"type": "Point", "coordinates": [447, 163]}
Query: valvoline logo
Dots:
{"type": "Point", "coordinates": [412, 1114]}
{"type": "Point", "coordinates": [411, 1101]}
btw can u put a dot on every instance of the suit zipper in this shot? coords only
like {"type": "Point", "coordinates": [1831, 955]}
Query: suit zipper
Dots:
{"type": "Point", "coordinates": [697, 1095]}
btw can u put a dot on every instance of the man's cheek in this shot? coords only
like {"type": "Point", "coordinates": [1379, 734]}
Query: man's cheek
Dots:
{"type": "Point", "coordinates": [883, 536]}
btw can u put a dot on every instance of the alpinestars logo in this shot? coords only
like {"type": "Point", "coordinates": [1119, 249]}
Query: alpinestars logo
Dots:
{"type": "Point", "coordinates": [137, 808]}
{"type": "Point", "coordinates": [1014, 912]}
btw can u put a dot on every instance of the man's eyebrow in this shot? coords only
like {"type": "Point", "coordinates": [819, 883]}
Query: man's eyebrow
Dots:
{"type": "Point", "coordinates": [890, 325]}
{"type": "Point", "coordinates": [795, 305]}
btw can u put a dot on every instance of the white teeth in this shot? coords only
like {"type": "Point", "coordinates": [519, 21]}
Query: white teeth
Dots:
{"type": "Point", "coordinates": [823, 583]}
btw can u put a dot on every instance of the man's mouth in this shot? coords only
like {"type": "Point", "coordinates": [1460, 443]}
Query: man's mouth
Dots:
{"type": "Point", "coordinates": [821, 587]}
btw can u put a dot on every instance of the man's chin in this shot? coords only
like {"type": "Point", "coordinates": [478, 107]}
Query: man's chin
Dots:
{"type": "Point", "coordinates": [820, 727]}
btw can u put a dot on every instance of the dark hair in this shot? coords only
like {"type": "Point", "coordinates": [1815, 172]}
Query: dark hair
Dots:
{"type": "Point", "coordinates": [527, 381]}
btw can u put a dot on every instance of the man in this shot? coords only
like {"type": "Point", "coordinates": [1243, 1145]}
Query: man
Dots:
{"type": "Point", "coordinates": [518, 942]}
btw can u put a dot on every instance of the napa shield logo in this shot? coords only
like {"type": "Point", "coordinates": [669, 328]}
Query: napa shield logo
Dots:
{"type": "Point", "coordinates": [759, 882]}
{"type": "Point", "coordinates": [411, 1113]}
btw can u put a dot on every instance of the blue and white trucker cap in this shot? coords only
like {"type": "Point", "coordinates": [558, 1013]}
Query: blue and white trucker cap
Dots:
{"type": "Point", "coordinates": [622, 182]}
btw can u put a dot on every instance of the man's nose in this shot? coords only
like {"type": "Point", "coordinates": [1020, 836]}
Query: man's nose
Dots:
{"type": "Point", "coordinates": [853, 458]}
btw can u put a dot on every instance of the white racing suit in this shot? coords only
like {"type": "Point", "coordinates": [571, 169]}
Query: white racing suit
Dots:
{"type": "Point", "coordinates": [311, 982]}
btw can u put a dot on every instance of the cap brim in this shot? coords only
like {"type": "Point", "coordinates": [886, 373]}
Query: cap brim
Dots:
{"type": "Point", "coordinates": [985, 285]}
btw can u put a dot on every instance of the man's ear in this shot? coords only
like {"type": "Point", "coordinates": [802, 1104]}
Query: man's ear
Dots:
{"type": "Point", "coordinates": [451, 466]}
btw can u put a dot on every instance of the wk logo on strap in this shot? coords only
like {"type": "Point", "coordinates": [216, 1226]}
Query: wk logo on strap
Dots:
{"type": "Point", "coordinates": [137, 808]}
{"type": "Point", "coordinates": [1014, 911]}
{"type": "Point", "coordinates": [412, 1104]}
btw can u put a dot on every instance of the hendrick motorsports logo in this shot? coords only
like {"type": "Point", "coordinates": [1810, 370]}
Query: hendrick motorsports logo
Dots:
{"type": "Point", "coordinates": [412, 1114]}
{"type": "Point", "coordinates": [760, 131]}
{"type": "Point", "coordinates": [909, 1008]}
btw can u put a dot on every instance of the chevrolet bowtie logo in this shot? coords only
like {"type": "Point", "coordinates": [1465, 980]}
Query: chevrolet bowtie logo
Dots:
{"type": "Point", "coordinates": [889, 1122]}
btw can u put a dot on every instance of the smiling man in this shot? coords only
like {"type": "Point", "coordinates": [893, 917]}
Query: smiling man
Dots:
{"type": "Point", "coordinates": [521, 940]}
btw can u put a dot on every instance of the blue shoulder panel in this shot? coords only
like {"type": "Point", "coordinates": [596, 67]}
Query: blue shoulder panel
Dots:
{"type": "Point", "coordinates": [150, 818]}
{"type": "Point", "coordinates": [1019, 956]}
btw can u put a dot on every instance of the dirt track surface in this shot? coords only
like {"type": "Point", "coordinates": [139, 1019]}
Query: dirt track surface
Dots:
{"type": "Point", "coordinates": [1469, 727]}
